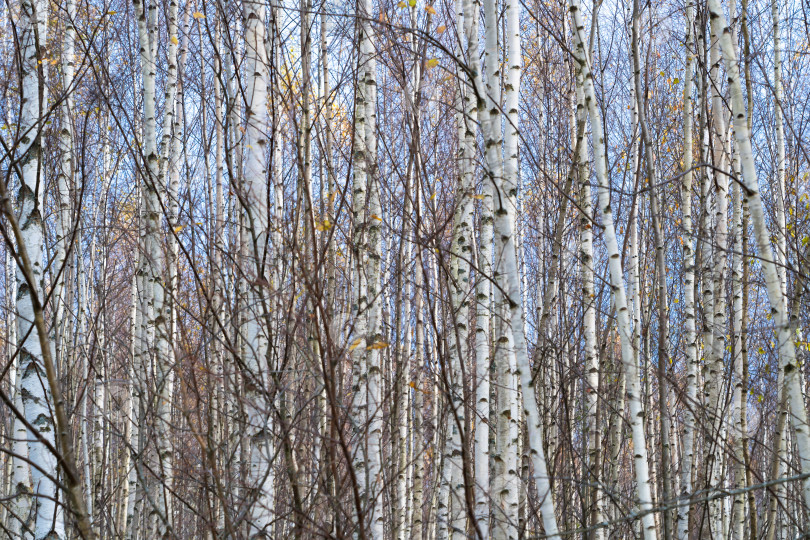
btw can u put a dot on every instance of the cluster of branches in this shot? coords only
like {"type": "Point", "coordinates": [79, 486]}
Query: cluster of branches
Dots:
{"type": "Point", "coordinates": [471, 268]}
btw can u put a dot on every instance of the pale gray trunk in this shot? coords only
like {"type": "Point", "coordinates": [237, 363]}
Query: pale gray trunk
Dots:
{"type": "Point", "coordinates": [489, 115]}
{"type": "Point", "coordinates": [642, 476]}
{"type": "Point", "coordinates": [777, 299]}
{"type": "Point", "coordinates": [688, 243]}
{"type": "Point", "coordinates": [660, 272]}
{"type": "Point", "coordinates": [591, 357]}
{"type": "Point", "coordinates": [255, 237]}
{"type": "Point", "coordinates": [483, 310]}
{"type": "Point", "coordinates": [738, 504]}
{"type": "Point", "coordinates": [35, 392]}
{"type": "Point", "coordinates": [18, 516]}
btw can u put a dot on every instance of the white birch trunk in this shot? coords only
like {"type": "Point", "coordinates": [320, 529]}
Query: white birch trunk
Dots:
{"type": "Point", "coordinates": [359, 387]}
{"type": "Point", "coordinates": [490, 121]}
{"type": "Point", "coordinates": [779, 445]}
{"type": "Point", "coordinates": [260, 428]}
{"type": "Point", "coordinates": [660, 270]}
{"type": "Point", "coordinates": [170, 164]}
{"type": "Point", "coordinates": [483, 313]}
{"type": "Point", "coordinates": [374, 269]}
{"type": "Point", "coordinates": [459, 288]}
{"type": "Point", "coordinates": [80, 355]}
{"type": "Point", "coordinates": [506, 483]}
{"type": "Point", "coordinates": [591, 358]}
{"type": "Point", "coordinates": [130, 422]}
{"type": "Point", "coordinates": [642, 476]}
{"type": "Point", "coordinates": [35, 391]}
{"type": "Point", "coordinates": [64, 179]}
{"type": "Point", "coordinates": [20, 506]}
{"type": "Point", "coordinates": [738, 504]}
{"type": "Point", "coordinates": [778, 304]}
{"type": "Point", "coordinates": [408, 387]}
{"type": "Point", "coordinates": [367, 254]}
{"type": "Point", "coordinates": [690, 334]}
{"type": "Point", "coordinates": [779, 194]}
{"type": "Point", "coordinates": [150, 269]}
{"type": "Point", "coordinates": [420, 382]}
{"type": "Point", "coordinates": [714, 379]}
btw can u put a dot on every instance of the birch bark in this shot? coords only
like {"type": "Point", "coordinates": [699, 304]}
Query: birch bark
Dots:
{"type": "Point", "coordinates": [367, 255]}
{"type": "Point", "coordinates": [460, 257]}
{"type": "Point", "coordinates": [359, 390]}
{"type": "Point", "coordinates": [35, 392]}
{"type": "Point", "coordinates": [260, 424]}
{"type": "Point", "coordinates": [714, 381]}
{"type": "Point", "coordinates": [65, 177]}
{"type": "Point", "coordinates": [738, 504]}
{"type": "Point", "coordinates": [489, 114]}
{"type": "Point", "coordinates": [376, 341]}
{"type": "Point", "coordinates": [777, 300]}
{"type": "Point", "coordinates": [682, 519]}
{"type": "Point", "coordinates": [660, 270]}
{"type": "Point", "coordinates": [483, 294]}
{"type": "Point", "coordinates": [20, 489]}
{"type": "Point", "coordinates": [586, 262]}
{"type": "Point", "coordinates": [643, 492]}
{"type": "Point", "coordinates": [780, 249]}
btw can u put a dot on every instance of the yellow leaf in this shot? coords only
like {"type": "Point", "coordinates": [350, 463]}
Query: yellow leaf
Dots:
{"type": "Point", "coordinates": [375, 216]}
{"type": "Point", "coordinates": [198, 15]}
{"type": "Point", "coordinates": [676, 300]}
{"type": "Point", "coordinates": [174, 40]}
{"type": "Point", "coordinates": [325, 225]}
{"type": "Point", "coordinates": [441, 29]}
{"type": "Point", "coordinates": [412, 3]}
{"type": "Point", "coordinates": [401, 4]}
{"type": "Point", "coordinates": [433, 196]}
{"type": "Point", "coordinates": [377, 345]}
{"type": "Point", "coordinates": [178, 228]}
{"type": "Point", "coordinates": [430, 9]}
{"type": "Point", "coordinates": [357, 342]}
{"type": "Point", "coordinates": [432, 63]}
{"type": "Point", "coordinates": [479, 197]}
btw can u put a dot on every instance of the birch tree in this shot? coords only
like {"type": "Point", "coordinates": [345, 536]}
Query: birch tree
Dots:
{"type": "Point", "coordinates": [388, 271]}
{"type": "Point", "coordinates": [643, 493]}
{"type": "Point", "coordinates": [37, 398]}
{"type": "Point", "coordinates": [775, 296]}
